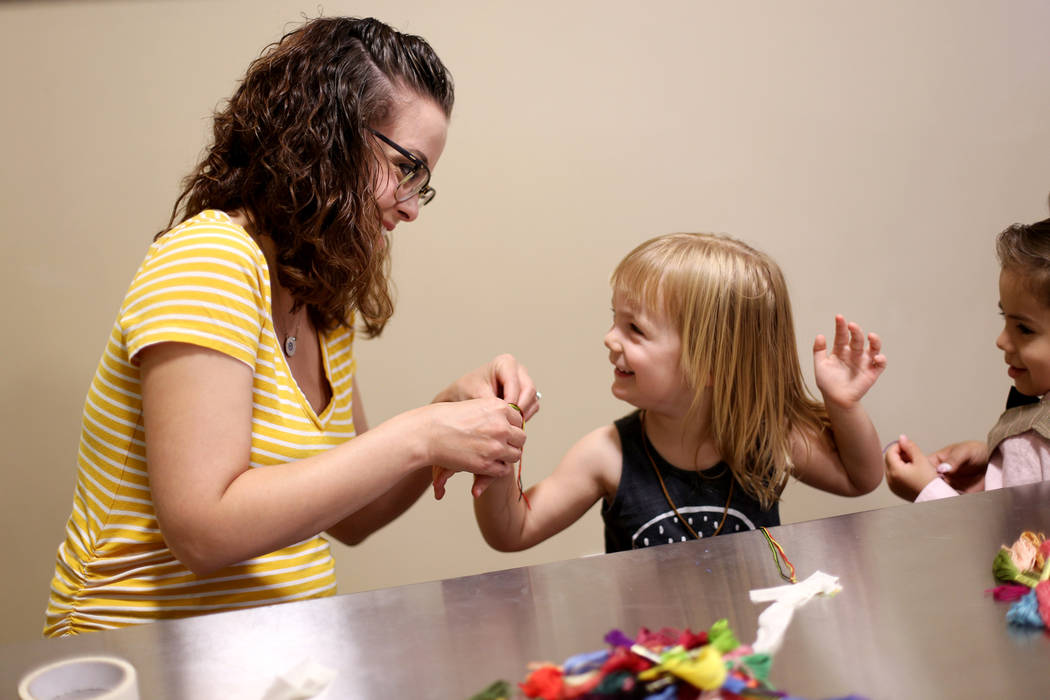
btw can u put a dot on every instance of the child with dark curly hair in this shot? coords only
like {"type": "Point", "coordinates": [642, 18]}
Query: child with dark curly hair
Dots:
{"type": "Point", "coordinates": [1018, 447]}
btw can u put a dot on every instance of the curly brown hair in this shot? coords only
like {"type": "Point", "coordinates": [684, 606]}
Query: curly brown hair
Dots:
{"type": "Point", "coordinates": [291, 150]}
{"type": "Point", "coordinates": [1025, 249]}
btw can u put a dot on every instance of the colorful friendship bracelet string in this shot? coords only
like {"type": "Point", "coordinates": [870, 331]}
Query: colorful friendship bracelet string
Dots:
{"type": "Point", "coordinates": [521, 462]}
{"type": "Point", "coordinates": [1024, 570]}
{"type": "Point", "coordinates": [778, 554]}
{"type": "Point", "coordinates": [668, 664]}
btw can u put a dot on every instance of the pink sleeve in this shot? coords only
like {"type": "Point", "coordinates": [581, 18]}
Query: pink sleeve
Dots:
{"type": "Point", "coordinates": [1022, 459]}
{"type": "Point", "coordinates": [938, 488]}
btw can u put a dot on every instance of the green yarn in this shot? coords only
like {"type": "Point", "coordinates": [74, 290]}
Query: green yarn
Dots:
{"type": "Point", "coordinates": [613, 683]}
{"type": "Point", "coordinates": [721, 637]}
{"type": "Point", "coordinates": [759, 665]}
{"type": "Point", "coordinates": [1005, 570]}
{"type": "Point", "coordinates": [499, 690]}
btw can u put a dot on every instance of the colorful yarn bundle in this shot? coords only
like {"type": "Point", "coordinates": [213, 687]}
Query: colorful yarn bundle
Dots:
{"type": "Point", "coordinates": [521, 464]}
{"type": "Point", "coordinates": [669, 664]}
{"type": "Point", "coordinates": [1024, 569]}
{"type": "Point", "coordinates": [778, 554]}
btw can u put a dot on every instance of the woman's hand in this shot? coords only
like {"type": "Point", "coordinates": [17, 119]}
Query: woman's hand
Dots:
{"type": "Point", "coordinates": [483, 436]}
{"type": "Point", "coordinates": [846, 373]}
{"type": "Point", "coordinates": [504, 377]}
{"type": "Point", "coordinates": [908, 470]}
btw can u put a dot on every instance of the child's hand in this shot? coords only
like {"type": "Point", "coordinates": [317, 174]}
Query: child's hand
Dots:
{"type": "Point", "coordinates": [846, 373]}
{"type": "Point", "coordinates": [440, 475]}
{"type": "Point", "coordinates": [963, 465]}
{"type": "Point", "coordinates": [908, 471]}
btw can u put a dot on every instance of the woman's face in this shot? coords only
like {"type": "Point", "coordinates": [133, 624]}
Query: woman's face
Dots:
{"type": "Point", "coordinates": [419, 126]}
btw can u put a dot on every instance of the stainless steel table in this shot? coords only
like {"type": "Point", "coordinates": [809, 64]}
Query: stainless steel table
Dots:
{"type": "Point", "coordinates": [912, 621]}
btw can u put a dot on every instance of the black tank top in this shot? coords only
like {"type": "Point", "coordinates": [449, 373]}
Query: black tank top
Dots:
{"type": "Point", "coordinates": [640, 516]}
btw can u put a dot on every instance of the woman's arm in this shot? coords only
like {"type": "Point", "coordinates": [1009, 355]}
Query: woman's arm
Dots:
{"type": "Point", "coordinates": [589, 471]}
{"type": "Point", "coordinates": [214, 510]}
{"type": "Point", "coordinates": [852, 465]}
{"type": "Point", "coordinates": [354, 528]}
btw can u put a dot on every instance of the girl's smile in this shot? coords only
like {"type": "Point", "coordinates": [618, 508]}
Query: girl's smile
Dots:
{"type": "Point", "coordinates": [645, 351]}
{"type": "Point", "coordinates": [1025, 338]}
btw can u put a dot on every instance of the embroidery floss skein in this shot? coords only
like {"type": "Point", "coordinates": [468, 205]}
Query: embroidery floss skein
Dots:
{"type": "Point", "coordinates": [521, 463]}
{"type": "Point", "coordinates": [662, 665]}
{"type": "Point", "coordinates": [778, 554]}
{"type": "Point", "coordinates": [1026, 566]}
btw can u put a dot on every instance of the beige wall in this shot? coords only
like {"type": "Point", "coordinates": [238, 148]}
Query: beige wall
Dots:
{"type": "Point", "coordinates": [873, 148]}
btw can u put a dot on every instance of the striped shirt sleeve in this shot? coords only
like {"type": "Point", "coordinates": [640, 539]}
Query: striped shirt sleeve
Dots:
{"type": "Point", "coordinates": [202, 284]}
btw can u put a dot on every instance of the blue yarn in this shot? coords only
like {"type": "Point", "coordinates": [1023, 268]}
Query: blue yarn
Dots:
{"type": "Point", "coordinates": [734, 685]}
{"type": "Point", "coordinates": [1025, 612]}
{"type": "Point", "coordinates": [587, 661]}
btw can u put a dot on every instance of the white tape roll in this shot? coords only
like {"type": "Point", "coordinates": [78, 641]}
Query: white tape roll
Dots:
{"type": "Point", "coordinates": [80, 678]}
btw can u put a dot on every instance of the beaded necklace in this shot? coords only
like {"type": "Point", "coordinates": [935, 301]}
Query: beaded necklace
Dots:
{"type": "Point", "coordinates": [670, 502]}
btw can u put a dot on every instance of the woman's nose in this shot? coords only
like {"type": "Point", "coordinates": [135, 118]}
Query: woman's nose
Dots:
{"type": "Point", "coordinates": [408, 210]}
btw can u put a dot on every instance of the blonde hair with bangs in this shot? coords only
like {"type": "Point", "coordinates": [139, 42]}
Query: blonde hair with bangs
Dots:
{"type": "Point", "coordinates": [730, 305]}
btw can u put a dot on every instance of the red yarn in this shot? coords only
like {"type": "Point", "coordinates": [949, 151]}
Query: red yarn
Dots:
{"type": "Point", "coordinates": [657, 640]}
{"type": "Point", "coordinates": [692, 640]}
{"type": "Point", "coordinates": [1042, 597]}
{"type": "Point", "coordinates": [545, 682]}
{"type": "Point", "coordinates": [1009, 592]}
{"type": "Point", "coordinates": [623, 659]}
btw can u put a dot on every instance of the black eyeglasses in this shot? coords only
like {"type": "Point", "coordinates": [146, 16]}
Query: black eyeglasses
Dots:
{"type": "Point", "coordinates": [415, 178]}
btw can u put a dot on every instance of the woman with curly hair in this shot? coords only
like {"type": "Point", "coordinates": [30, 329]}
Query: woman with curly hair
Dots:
{"type": "Point", "coordinates": [224, 431]}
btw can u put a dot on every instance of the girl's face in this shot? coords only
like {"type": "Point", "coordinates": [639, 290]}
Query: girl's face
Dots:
{"type": "Point", "coordinates": [1025, 340]}
{"type": "Point", "coordinates": [419, 126]}
{"type": "Point", "coordinates": [645, 351]}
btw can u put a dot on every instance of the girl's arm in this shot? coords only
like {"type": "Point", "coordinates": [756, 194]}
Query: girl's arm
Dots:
{"type": "Point", "coordinates": [215, 510]}
{"type": "Point", "coordinates": [852, 466]}
{"type": "Point", "coordinates": [589, 471]}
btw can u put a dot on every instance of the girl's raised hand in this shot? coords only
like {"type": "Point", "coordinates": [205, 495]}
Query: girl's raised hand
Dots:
{"type": "Point", "coordinates": [846, 373]}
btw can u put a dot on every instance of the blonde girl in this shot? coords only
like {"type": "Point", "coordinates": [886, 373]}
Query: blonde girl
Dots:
{"type": "Point", "coordinates": [702, 345]}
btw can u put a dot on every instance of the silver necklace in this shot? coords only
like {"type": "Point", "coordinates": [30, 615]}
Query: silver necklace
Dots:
{"type": "Point", "coordinates": [290, 338]}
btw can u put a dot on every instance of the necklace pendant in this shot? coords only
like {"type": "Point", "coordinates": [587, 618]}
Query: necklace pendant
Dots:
{"type": "Point", "coordinates": [289, 346]}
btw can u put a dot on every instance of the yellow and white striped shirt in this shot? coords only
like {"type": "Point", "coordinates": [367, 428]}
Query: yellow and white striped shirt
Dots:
{"type": "Point", "coordinates": [205, 282]}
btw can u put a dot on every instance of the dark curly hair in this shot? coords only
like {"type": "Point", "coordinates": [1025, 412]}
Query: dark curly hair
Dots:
{"type": "Point", "coordinates": [1025, 249]}
{"type": "Point", "coordinates": [291, 150]}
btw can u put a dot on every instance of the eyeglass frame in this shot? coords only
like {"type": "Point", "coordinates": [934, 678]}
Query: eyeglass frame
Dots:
{"type": "Point", "coordinates": [426, 193]}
